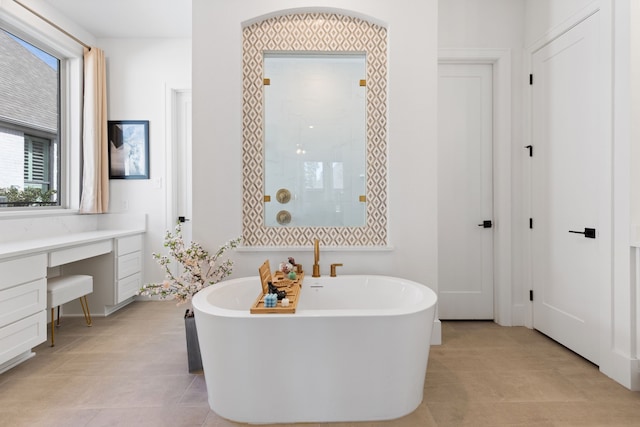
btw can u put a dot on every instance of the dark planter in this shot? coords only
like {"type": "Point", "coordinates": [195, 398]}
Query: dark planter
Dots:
{"type": "Point", "coordinates": [193, 346]}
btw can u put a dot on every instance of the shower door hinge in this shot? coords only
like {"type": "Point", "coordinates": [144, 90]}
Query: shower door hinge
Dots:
{"type": "Point", "coordinates": [531, 295]}
{"type": "Point", "coordinates": [531, 223]}
{"type": "Point", "coordinates": [530, 79]}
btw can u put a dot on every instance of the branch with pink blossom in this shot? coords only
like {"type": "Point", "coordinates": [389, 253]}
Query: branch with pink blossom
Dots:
{"type": "Point", "coordinates": [196, 268]}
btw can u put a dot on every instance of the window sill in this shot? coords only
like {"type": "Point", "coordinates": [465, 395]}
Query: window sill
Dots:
{"type": "Point", "coordinates": [36, 213]}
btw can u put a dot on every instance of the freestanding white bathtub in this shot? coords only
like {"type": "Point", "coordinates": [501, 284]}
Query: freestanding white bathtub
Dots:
{"type": "Point", "coordinates": [355, 350]}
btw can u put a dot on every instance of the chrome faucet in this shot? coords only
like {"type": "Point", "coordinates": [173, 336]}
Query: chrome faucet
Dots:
{"type": "Point", "coordinates": [316, 258]}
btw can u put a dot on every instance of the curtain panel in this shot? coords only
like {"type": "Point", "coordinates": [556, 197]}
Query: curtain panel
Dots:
{"type": "Point", "coordinates": [95, 164]}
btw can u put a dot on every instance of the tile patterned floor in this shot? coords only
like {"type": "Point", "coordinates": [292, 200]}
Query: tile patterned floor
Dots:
{"type": "Point", "coordinates": [130, 369]}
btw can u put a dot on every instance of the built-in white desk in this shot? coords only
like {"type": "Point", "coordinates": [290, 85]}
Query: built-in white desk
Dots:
{"type": "Point", "coordinates": [106, 248]}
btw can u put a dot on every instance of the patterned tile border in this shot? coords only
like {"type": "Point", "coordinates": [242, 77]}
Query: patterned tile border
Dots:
{"type": "Point", "coordinates": [323, 32]}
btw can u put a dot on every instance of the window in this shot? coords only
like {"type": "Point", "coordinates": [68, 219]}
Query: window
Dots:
{"type": "Point", "coordinates": [29, 125]}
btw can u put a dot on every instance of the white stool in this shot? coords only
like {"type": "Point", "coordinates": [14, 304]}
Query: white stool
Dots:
{"type": "Point", "coordinates": [62, 289]}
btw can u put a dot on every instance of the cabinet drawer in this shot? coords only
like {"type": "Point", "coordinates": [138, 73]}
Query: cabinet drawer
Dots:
{"type": "Point", "coordinates": [129, 264]}
{"type": "Point", "coordinates": [65, 256]}
{"type": "Point", "coordinates": [22, 270]}
{"type": "Point", "coordinates": [22, 335]}
{"type": "Point", "coordinates": [126, 245]}
{"type": "Point", "coordinates": [22, 301]}
{"type": "Point", "coordinates": [128, 287]}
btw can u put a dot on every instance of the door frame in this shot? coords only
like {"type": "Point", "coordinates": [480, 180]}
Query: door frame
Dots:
{"type": "Point", "coordinates": [171, 150]}
{"type": "Point", "coordinates": [500, 59]}
{"type": "Point", "coordinates": [172, 166]}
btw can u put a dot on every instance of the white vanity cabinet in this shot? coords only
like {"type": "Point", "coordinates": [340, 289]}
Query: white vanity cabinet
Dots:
{"type": "Point", "coordinates": [107, 247]}
{"type": "Point", "coordinates": [23, 303]}
{"type": "Point", "coordinates": [116, 276]}
{"type": "Point", "coordinates": [129, 267]}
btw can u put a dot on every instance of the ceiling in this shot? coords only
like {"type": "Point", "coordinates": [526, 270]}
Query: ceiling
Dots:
{"type": "Point", "coordinates": [128, 18]}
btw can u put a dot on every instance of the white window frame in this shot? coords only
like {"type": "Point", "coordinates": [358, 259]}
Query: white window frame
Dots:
{"type": "Point", "coordinates": [70, 71]}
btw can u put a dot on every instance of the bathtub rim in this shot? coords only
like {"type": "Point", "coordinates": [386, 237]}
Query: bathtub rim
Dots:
{"type": "Point", "coordinates": [201, 303]}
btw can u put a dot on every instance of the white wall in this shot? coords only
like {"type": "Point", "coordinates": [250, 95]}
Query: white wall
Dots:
{"type": "Point", "coordinates": [217, 131]}
{"type": "Point", "coordinates": [634, 140]}
{"type": "Point", "coordinates": [634, 93]}
{"type": "Point", "coordinates": [139, 72]}
{"type": "Point", "coordinates": [624, 346]}
{"type": "Point", "coordinates": [619, 321]}
{"type": "Point", "coordinates": [481, 24]}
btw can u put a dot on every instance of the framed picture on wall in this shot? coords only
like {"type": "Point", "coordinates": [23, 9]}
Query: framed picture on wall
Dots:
{"type": "Point", "coordinates": [128, 149]}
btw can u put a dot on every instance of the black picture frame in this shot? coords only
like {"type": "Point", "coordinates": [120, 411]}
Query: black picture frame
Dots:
{"type": "Point", "coordinates": [128, 149]}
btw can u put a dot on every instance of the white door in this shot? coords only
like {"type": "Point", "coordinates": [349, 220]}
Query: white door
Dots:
{"type": "Point", "coordinates": [465, 191]}
{"type": "Point", "coordinates": [568, 167]}
{"type": "Point", "coordinates": [183, 161]}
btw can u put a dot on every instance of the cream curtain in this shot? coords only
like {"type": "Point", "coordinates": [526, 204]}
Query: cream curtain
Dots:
{"type": "Point", "coordinates": [95, 165]}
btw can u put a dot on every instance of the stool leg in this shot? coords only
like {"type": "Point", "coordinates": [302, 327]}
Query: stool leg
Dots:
{"type": "Point", "coordinates": [58, 316]}
{"type": "Point", "coordinates": [85, 310]}
{"type": "Point", "coordinates": [53, 327]}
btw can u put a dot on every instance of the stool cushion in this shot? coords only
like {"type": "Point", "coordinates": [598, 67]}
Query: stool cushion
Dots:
{"type": "Point", "coordinates": [63, 289]}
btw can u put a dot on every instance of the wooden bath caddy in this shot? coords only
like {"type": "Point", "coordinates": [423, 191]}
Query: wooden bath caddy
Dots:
{"type": "Point", "coordinates": [291, 286]}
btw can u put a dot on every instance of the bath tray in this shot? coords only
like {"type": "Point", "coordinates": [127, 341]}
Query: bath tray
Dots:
{"type": "Point", "coordinates": [291, 286]}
